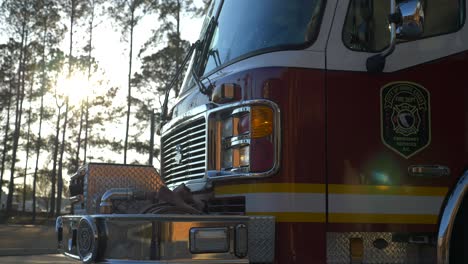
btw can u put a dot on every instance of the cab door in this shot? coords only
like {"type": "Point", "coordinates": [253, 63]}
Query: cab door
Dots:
{"type": "Point", "coordinates": [396, 140]}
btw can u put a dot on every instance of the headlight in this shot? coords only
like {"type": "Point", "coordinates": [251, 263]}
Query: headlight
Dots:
{"type": "Point", "coordinates": [227, 158]}
{"type": "Point", "coordinates": [245, 139]}
{"type": "Point", "coordinates": [227, 128]}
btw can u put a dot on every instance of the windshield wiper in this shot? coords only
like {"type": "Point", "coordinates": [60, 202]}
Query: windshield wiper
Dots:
{"type": "Point", "coordinates": [201, 56]}
{"type": "Point", "coordinates": [168, 89]}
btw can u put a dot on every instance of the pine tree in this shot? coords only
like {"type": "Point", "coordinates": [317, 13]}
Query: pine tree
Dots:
{"type": "Point", "coordinates": [19, 17]}
{"type": "Point", "coordinates": [48, 24]}
{"type": "Point", "coordinates": [7, 77]}
{"type": "Point", "coordinates": [159, 68]}
{"type": "Point", "coordinates": [75, 10]}
{"type": "Point", "coordinates": [128, 13]}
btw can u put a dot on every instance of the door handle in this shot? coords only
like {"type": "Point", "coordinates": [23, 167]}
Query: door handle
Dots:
{"type": "Point", "coordinates": [428, 171]}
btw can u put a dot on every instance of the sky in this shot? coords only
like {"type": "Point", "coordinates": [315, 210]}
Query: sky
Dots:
{"type": "Point", "coordinates": [111, 54]}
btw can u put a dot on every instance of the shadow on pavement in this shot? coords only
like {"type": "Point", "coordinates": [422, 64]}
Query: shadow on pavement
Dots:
{"type": "Point", "coordinates": [38, 259]}
{"type": "Point", "coordinates": [23, 240]}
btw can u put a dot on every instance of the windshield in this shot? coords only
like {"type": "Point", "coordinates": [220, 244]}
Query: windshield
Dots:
{"type": "Point", "coordinates": [247, 27]}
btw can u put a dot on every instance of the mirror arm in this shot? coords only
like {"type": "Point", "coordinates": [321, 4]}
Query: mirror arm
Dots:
{"type": "Point", "coordinates": [376, 63]}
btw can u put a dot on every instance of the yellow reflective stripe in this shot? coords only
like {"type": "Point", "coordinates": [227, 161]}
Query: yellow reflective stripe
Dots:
{"type": "Point", "coordinates": [294, 217]}
{"type": "Point", "coordinates": [387, 190]}
{"type": "Point", "coordinates": [350, 218]}
{"type": "Point", "coordinates": [382, 218]}
{"type": "Point", "coordinates": [332, 188]}
{"type": "Point", "coordinates": [270, 188]}
{"type": "Point", "coordinates": [338, 189]}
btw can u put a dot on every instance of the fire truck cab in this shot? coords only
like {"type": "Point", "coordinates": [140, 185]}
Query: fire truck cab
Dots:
{"type": "Point", "coordinates": [306, 131]}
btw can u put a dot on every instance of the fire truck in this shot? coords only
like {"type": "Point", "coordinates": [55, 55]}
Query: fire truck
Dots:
{"type": "Point", "coordinates": [306, 131]}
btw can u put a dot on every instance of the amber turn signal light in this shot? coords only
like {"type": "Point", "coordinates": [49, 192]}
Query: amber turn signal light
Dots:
{"type": "Point", "coordinates": [261, 121]}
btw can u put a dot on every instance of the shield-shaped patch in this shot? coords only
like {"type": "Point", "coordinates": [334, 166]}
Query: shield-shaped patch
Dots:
{"type": "Point", "coordinates": [405, 117]}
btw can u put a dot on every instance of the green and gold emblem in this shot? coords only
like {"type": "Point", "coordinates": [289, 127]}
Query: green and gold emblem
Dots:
{"type": "Point", "coordinates": [406, 118]}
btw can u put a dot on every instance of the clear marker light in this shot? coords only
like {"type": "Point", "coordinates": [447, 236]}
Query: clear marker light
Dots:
{"type": "Point", "coordinates": [244, 158]}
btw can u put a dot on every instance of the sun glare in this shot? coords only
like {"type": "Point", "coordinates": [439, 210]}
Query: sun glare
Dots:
{"type": "Point", "coordinates": [76, 88]}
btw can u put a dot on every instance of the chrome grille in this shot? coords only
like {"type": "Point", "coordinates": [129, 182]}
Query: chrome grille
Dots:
{"type": "Point", "coordinates": [183, 152]}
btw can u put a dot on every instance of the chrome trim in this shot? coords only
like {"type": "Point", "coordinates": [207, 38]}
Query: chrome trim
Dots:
{"type": "Point", "coordinates": [393, 33]}
{"type": "Point", "coordinates": [241, 233]}
{"type": "Point", "coordinates": [122, 238]}
{"type": "Point", "coordinates": [165, 217]}
{"type": "Point", "coordinates": [87, 245]}
{"type": "Point", "coordinates": [71, 256]}
{"type": "Point", "coordinates": [447, 219]}
{"type": "Point", "coordinates": [190, 136]}
{"type": "Point", "coordinates": [193, 244]}
{"type": "Point", "coordinates": [59, 231]}
{"type": "Point", "coordinates": [223, 175]}
{"type": "Point", "coordinates": [236, 141]}
{"type": "Point", "coordinates": [241, 110]}
{"type": "Point", "coordinates": [428, 171]}
{"type": "Point", "coordinates": [187, 261]}
{"type": "Point", "coordinates": [205, 111]}
{"type": "Point", "coordinates": [118, 193]}
{"type": "Point", "coordinates": [76, 199]}
{"type": "Point", "coordinates": [186, 116]}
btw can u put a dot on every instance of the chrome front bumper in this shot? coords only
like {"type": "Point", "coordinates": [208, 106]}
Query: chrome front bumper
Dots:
{"type": "Point", "coordinates": [164, 238]}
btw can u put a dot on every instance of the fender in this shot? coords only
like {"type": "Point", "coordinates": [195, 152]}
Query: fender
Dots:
{"type": "Point", "coordinates": [448, 217]}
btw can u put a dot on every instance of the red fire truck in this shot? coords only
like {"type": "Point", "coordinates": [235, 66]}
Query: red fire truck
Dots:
{"type": "Point", "coordinates": [307, 131]}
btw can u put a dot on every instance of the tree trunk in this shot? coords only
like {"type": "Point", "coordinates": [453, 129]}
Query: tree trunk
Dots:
{"type": "Point", "coordinates": [41, 114]}
{"type": "Point", "coordinates": [91, 26]}
{"type": "Point", "coordinates": [78, 143]}
{"type": "Point", "coordinates": [62, 148]}
{"type": "Point", "coordinates": [86, 132]}
{"type": "Point", "coordinates": [38, 152]}
{"type": "Point", "coordinates": [151, 145]}
{"type": "Point", "coordinates": [18, 114]}
{"type": "Point", "coordinates": [129, 98]}
{"type": "Point", "coordinates": [5, 137]}
{"type": "Point", "coordinates": [55, 157]}
{"type": "Point", "coordinates": [72, 23]}
{"type": "Point", "coordinates": [60, 169]}
{"type": "Point", "coordinates": [27, 142]}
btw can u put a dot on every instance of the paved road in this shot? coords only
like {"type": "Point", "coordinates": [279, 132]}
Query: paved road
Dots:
{"type": "Point", "coordinates": [29, 244]}
{"type": "Point", "coordinates": [37, 259]}
{"type": "Point", "coordinates": [27, 240]}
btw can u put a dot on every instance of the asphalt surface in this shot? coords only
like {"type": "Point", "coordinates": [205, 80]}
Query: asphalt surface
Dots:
{"type": "Point", "coordinates": [29, 244]}
{"type": "Point", "coordinates": [37, 259]}
{"type": "Point", "coordinates": [17, 240]}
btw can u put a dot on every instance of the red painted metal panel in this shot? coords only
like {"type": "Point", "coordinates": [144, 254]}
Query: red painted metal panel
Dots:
{"type": "Point", "coordinates": [356, 152]}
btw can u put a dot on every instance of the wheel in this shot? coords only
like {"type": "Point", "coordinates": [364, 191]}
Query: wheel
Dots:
{"type": "Point", "coordinates": [459, 240]}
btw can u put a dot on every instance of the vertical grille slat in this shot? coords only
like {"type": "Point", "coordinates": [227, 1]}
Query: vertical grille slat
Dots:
{"type": "Point", "coordinates": [183, 152]}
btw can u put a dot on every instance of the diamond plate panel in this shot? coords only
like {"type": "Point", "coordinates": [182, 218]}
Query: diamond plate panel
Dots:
{"type": "Point", "coordinates": [338, 248]}
{"type": "Point", "coordinates": [101, 177]}
{"type": "Point", "coordinates": [261, 239]}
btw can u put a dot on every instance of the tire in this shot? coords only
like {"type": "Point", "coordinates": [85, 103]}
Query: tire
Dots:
{"type": "Point", "coordinates": [459, 239]}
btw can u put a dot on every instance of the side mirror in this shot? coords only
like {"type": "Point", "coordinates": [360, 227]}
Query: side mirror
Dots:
{"type": "Point", "coordinates": [412, 20]}
{"type": "Point", "coordinates": [376, 63]}
{"type": "Point", "coordinates": [406, 22]}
